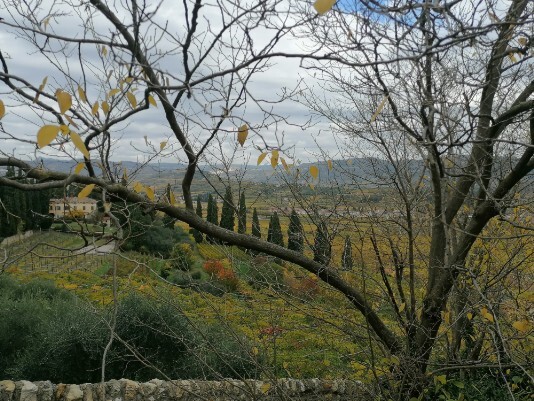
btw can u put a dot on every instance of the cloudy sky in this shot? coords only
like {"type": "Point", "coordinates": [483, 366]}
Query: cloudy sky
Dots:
{"type": "Point", "coordinates": [274, 123]}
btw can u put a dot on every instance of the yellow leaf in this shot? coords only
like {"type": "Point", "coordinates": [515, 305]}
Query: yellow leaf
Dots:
{"type": "Point", "coordinates": [105, 107]}
{"type": "Point", "coordinates": [113, 92]}
{"type": "Point", "coordinates": [172, 199]}
{"type": "Point", "coordinates": [326, 362]}
{"type": "Point", "coordinates": [81, 94]}
{"type": "Point", "coordinates": [64, 100]}
{"type": "Point", "coordinates": [379, 109]}
{"type": "Point", "coordinates": [131, 99]}
{"type": "Point", "coordinates": [125, 174]}
{"type": "Point", "coordinates": [402, 307]}
{"type": "Point", "coordinates": [521, 325]}
{"type": "Point", "coordinates": [128, 80]}
{"type": "Point", "coordinates": [138, 187]}
{"type": "Point", "coordinates": [162, 145]}
{"type": "Point", "coordinates": [255, 350]}
{"type": "Point", "coordinates": [242, 134]}
{"type": "Point", "coordinates": [41, 87]}
{"type": "Point", "coordinates": [94, 109]}
{"type": "Point", "coordinates": [77, 141]}
{"type": "Point", "coordinates": [45, 23]}
{"type": "Point", "coordinates": [2, 109]}
{"type": "Point", "coordinates": [330, 165]}
{"type": "Point", "coordinates": [152, 101]}
{"type": "Point", "coordinates": [104, 51]}
{"type": "Point", "coordinates": [265, 387]}
{"type": "Point", "coordinates": [64, 129]}
{"type": "Point", "coordinates": [274, 158]}
{"type": "Point", "coordinates": [84, 193]}
{"type": "Point", "coordinates": [469, 316]}
{"type": "Point", "coordinates": [79, 167]}
{"type": "Point", "coordinates": [446, 316]}
{"type": "Point", "coordinates": [314, 172]}
{"type": "Point", "coordinates": [486, 314]}
{"type": "Point", "coordinates": [323, 6]}
{"type": "Point", "coordinates": [512, 58]}
{"type": "Point", "coordinates": [150, 193]}
{"type": "Point", "coordinates": [261, 157]}
{"type": "Point", "coordinates": [442, 379]}
{"type": "Point", "coordinates": [71, 122]}
{"type": "Point", "coordinates": [46, 135]}
{"type": "Point", "coordinates": [522, 41]}
{"type": "Point", "coordinates": [284, 163]}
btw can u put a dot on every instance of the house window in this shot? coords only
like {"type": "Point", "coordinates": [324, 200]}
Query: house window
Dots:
{"type": "Point", "coordinates": [92, 208]}
{"type": "Point", "coordinates": [83, 207]}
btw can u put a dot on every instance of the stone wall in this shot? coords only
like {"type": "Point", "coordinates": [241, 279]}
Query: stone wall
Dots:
{"type": "Point", "coordinates": [186, 390]}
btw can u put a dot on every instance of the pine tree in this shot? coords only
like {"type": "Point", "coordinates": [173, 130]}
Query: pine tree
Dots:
{"type": "Point", "coordinates": [228, 211]}
{"type": "Point", "coordinates": [295, 233]}
{"type": "Point", "coordinates": [322, 248]}
{"type": "Point", "coordinates": [197, 235]}
{"type": "Point", "coordinates": [346, 257]}
{"type": "Point", "coordinates": [274, 235]}
{"type": "Point", "coordinates": [256, 229]}
{"type": "Point", "coordinates": [242, 215]}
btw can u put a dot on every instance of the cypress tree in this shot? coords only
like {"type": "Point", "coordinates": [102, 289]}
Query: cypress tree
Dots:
{"type": "Point", "coordinates": [242, 215]}
{"type": "Point", "coordinates": [322, 249]}
{"type": "Point", "coordinates": [227, 214]}
{"type": "Point", "coordinates": [295, 233]}
{"type": "Point", "coordinates": [256, 229]}
{"type": "Point", "coordinates": [197, 235]}
{"type": "Point", "coordinates": [274, 235]}
{"type": "Point", "coordinates": [346, 257]}
{"type": "Point", "coordinates": [212, 210]}
{"type": "Point", "coordinates": [212, 215]}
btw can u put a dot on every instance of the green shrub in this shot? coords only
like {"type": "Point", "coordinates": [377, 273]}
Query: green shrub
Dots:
{"type": "Point", "coordinates": [49, 334]}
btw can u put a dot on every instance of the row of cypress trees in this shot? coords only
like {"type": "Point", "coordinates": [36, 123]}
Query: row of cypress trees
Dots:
{"type": "Point", "coordinates": [18, 208]}
{"type": "Point", "coordinates": [322, 247]}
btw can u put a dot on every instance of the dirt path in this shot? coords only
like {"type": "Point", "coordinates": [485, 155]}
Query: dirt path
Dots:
{"type": "Point", "coordinates": [99, 250]}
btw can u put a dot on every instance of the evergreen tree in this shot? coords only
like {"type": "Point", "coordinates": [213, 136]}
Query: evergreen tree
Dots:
{"type": "Point", "coordinates": [295, 233]}
{"type": "Point", "coordinates": [228, 211]}
{"type": "Point", "coordinates": [197, 235]}
{"type": "Point", "coordinates": [256, 229]}
{"type": "Point", "coordinates": [242, 215]}
{"type": "Point", "coordinates": [274, 233]}
{"type": "Point", "coordinates": [212, 215]}
{"type": "Point", "coordinates": [212, 211]}
{"type": "Point", "coordinates": [322, 248]}
{"type": "Point", "coordinates": [346, 257]}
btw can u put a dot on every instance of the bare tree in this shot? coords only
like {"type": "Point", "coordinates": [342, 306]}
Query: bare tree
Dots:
{"type": "Point", "coordinates": [442, 91]}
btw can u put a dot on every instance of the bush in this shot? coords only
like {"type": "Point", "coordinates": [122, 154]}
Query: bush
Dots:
{"type": "Point", "coordinates": [49, 334]}
{"type": "Point", "coordinates": [182, 257]}
{"type": "Point", "coordinates": [223, 274]}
